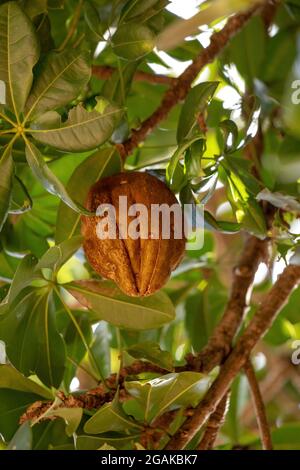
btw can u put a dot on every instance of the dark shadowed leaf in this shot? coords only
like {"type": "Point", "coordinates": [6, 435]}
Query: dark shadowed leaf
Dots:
{"type": "Point", "coordinates": [33, 344]}
{"type": "Point", "coordinates": [19, 52]}
{"type": "Point", "coordinates": [24, 275]}
{"type": "Point", "coordinates": [20, 199]}
{"type": "Point", "coordinates": [22, 440]}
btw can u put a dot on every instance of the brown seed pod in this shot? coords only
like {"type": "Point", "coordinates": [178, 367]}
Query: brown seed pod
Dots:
{"type": "Point", "coordinates": [139, 266]}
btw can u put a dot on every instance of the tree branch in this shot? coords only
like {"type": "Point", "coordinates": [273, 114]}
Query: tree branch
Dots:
{"type": "Point", "coordinates": [181, 87]}
{"type": "Point", "coordinates": [260, 411]}
{"type": "Point", "coordinates": [214, 424]}
{"type": "Point", "coordinates": [258, 326]}
{"type": "Point", "coordinates": [219, 344]}
{"type": "Point", "coordinates": [104, 72]}
{"type": "Point", "coordinates": [90, 400]}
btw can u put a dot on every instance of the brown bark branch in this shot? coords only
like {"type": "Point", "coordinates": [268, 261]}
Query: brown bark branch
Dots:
{"type": "Point", "coordinates": [258, 326]}
{"type": "Point", "coordinates": [90, 400]}
{"type": "Point", "coordinates": [181, 87]}
{"type": "Point", "coordinates": [219, 344]}
{"type": "Point", "coordinates": [259, 407]}
{"type": "Point", "coordinates": [214, 424]}
{"type": "Point", "coordinates": [104, 72]}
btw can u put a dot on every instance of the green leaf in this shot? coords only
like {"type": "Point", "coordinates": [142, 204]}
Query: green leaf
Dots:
{"type": "Point", "coordinates": [152, 352]}
{"type": "Point", "coordinates": [285, 437]}
{"type": "Point", "coordinates": [290, 311]}
{"type": "Point", "coordinates": [248, 211]}
{"type": "Point", "coordinates": [173, 163]}
{"type": "Point", "coordinates": [135, 8]}
{"type": "Point", "coordinates": [132, 41]}
{"type": "Point", "coordinates": [13, 404]}
{"type": "Point", "coordinates": [220, 225]}
{"type": "Point", "coordinates": [58, 255]}
{"type": "Point", "coordinates": [33, 344]}
{"type": "Point", "coordinates": [11, 378]}
{"type": "Point", "coordinates": [169, 392]}
{"type": "Point", "coordinates": [51, 435]}
{"type": "Point", "coordinates": [243, 169]}
{"type": "Point", "coordinates": [203, 311]}
{"type": "Point", "coordinates": [75, 347]}
{"type": "Point", "coordinates": [35, 7]}
{"type": "Point", "coordinates": [19, 52]}
{"type": "Point", "coordinates": [8, 266]}
{"type": "Point", "coordinates": [103, 163]}
{"type": "Point", "coordinates": [247, 50]}
{"type": "Point", "coordinates": [94, 127]}
{"type": "Point", "coordinates": [119, 441]}
{"type": "Point", "coordinates": [110, 417]}
{"type": "Point", "coordinates": [192, 159]}
{"type": "Point", "coordinates": [194, 105]}
{"type": "Point", "coordinates": [20, 199]}
{"type": "Point", "coordinates": [117, 87]}
{"type": "Point", "coordinates": [71, 416]}
{"type": "Point", "coordinates": [231, 133]}
{"type": "Point", "coordinates": [101, 348]}
{"type": "Point", "coordinates": [92, 19]}
{"type": "Point", "coordinates": [59, 82]}
{"type": "Point", "coordinates": [107, 302]}
{"type": "Point", "coordinates": [22, 440]}
{"type": "Point", "coordinates": [24, 275]}
{"type": "Point", "coordinates": [50, 182]}
{"type": "Point", "coordinates": [280, 54]}
{"type": "Point", "coordinates": [6, 179]}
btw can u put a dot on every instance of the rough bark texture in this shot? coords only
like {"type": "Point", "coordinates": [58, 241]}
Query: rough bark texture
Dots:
{"type": "Point", "coordinates": [261, 322]}
{"type": "Point", "coordinates": [214, 424]}
{"type": "Point", "coordinates": [261, 417]}
{"type": "Point", "coordinates": [104, 72]}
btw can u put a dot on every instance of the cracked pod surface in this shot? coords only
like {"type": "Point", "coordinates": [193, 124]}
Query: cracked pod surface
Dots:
{"type": "Point", "coordinates": [139, 266]}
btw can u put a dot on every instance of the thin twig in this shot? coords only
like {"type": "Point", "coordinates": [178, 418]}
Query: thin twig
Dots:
{"type": "Point", "coordinates": [90, 400]}
{"type": "Point", "coordinates": [214, 424]}
{"type": "Point", "coordinates": [259, 325]}
{"type": "Point", "coordinates": [260, 411]}
{"type": "Point", "coordinates": [104, 72]}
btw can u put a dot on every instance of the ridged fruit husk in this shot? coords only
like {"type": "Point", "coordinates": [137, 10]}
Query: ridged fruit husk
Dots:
{"type": "Point", "coordinates": [142, 266]}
